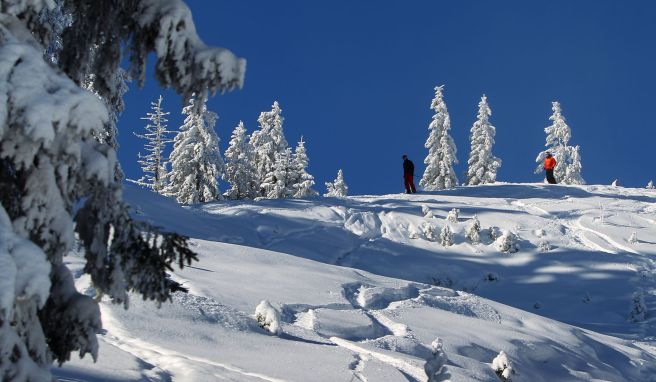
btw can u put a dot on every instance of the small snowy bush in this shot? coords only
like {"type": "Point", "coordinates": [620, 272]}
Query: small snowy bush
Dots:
{"type": "Point", "coordinates": [428, 214]}
{"type": "Point", "coordinates": [502, 367]}
{"type": "Point", "coordinates": [268, 317]}
{"type": "Point", "coordinates": [507, 242]}
{"type": "Point", "coordinates": [544, 246]}
{"type": "Point", "coordinates": [616, 183]}
{"type": "Point", "coordinates": [446, 236]}
{"type": "Point", "coordinates": [650, 185]}
{"type": "Point", "coordinates": [633, 239]}
{"type": "Point", "coordinates": [638, 308]}
{"type": "Point", "coordinates": [428, 231]}
{"type": "Point", "coordinates": [473, 231]}
{"type": "Point", "coordinates": [412, 232]}
{"type": "Point", "coordinates": [493, 233]}
{"type": "Point", "coordinates": [453, 215]}
{"type": "Point", "coordinates": [435, 366]}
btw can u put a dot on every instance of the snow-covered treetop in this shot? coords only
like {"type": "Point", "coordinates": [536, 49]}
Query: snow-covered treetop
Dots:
{"type": "Point", "coordinates": [337, 187]}
{"type": "Point", "coordinates": [558, 133]}
{"type": "Point", "coordinates": [271, 128]}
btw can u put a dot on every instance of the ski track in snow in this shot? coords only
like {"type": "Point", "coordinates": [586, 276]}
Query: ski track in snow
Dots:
{"type": "Point", "coordinates": [415, 371]}
{"type": "Point", "coordinates": [605, 237]}
{"type": "Point", "coordinates": [177, 364]}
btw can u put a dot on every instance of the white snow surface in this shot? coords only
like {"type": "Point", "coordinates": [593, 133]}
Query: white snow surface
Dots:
{"type": "Point", "coordinates": [360, 301]}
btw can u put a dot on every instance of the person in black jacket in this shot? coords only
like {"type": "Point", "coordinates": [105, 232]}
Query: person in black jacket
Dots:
{"type": "Point", "coordinates": [409, 175]}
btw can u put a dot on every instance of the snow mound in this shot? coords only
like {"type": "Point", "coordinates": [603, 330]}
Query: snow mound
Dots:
{"type": "Point", "coordinates": [364, 224]}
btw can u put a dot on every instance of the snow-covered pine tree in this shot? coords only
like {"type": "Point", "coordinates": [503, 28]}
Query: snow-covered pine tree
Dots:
{"type": "Point", "coordinates": [239, 168]}
{"type": "Point", "coordinates": [483, 165]}
{"type": "Point", "coordinates": [157, 136]}
{"type": "Point", "coordinates": [277, 182]}
{"type": "Point", "coordinates": [301, 180]}
{"type": "Point", "coordinates": [573, 170]}
{"type": "Point", "coordinates": [268, 141]}
{"type": "Point", "coordinates": [650, 185]}
{"type": "Point", "coordinates": [439, 173]}
{"type": "Point", "coordinates": [57, 177]}
{"type": "Point", "coordinates": [473, 231]}
{"type": "Point", "coordinates": [446, 236]}
{"type": "Point", "coordinates": [196, 163]}
{"type": "Point", "coordinates": [568, 159]}
{"type": "Point", "coordinates": [337, 187]}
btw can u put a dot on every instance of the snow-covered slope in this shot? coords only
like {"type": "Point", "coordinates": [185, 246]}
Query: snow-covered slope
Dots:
{"type": "Point", "coordinates": [359, 299]}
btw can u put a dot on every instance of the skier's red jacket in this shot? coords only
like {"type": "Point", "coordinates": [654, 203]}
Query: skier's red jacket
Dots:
{"type": "Point", "coordinates": [549, 163]}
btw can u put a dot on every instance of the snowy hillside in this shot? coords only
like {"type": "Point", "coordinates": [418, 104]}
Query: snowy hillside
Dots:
{"type": "Point", "coordinates": [363, 290]}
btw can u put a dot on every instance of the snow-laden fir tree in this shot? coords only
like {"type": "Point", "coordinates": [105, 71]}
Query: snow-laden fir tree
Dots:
{"type": "Point", "coordinates": [337, 187]}
{"type": "Point", "coordinates": [428, 214]}
{"type": "Point", "coordinates": [277, 182]}
{"type": "Point", "coordinates": [568, 158]}
{"type": "Point", "coordinates": [439, 173]}
{"type": "Point", "coordinates": [435, 366]}
{"type": "Point", "coordinates": [58, 184]}
{"type": "Point", "coordinates": [301, 180]}
{"type": "Point", "coordinates": [502, 367]}
{"type": "Point", "coordinates": [268, 317]}
{"type": "Point", "coordinates": [650, 185]}
{"type": "Point", "coordinates": [196, 164]}
{"type": "Point", "coordinates": [268, 141]}
{"type": "Point", "coordinates": [452, 216]}
{"type": "Point", "coordinates": [507, 242]}
{"type": "Point", "coordinates": [473, 231]}
{"type": "Point", "coordinates": [428, 231]}
{"type": "Point", "coordinates": [633, 239]}
{"type": "Point", "coordinates": [157, 136]}
{"type": "Point", "coordinates": [239, 166]}
{"type": "Point", "coordinates": [483, 165]}
{"type": "Point", "coordinates": [446, 236]}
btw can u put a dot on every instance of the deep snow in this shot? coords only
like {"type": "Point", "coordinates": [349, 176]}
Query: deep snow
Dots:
{"type": "Point", "coordinates": [360, 300]}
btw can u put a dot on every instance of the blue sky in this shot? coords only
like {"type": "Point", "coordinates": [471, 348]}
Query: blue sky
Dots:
{"type": "Point", "coordinates": [356, 79]}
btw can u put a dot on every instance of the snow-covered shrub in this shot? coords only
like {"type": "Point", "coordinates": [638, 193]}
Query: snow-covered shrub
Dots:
{"type": "Point", "coordinates": [452, 216]}
{"type": "Point", "coordinates": [337, 187]}
{"type": "Point", "coordinates": [435, 366]}
{"type": "Point", "coordinates": [540, 232]}
{"type": "Point", "coordinates": [483, 165]}
{"type": "Point", "coordinates": [503, 367]}
{"type": "Point", "coordinates": [58, 166]}
{"type": "Point", "coordinates": [426, 211]}
{"type": "Point", "coordinates": [446, 236]}
{"type": "Point", "coordinates": [633, 239]}
{"type": "Point", "coordinates": [268, 317]}
{"type": "Point", "coordinates": [507, 242]}
{"type": "Point", "coordinates": [650, 185]}
{"type": "Point", "coordinates": [638, 308]}
{"type": "Point", "coordinates": [412, 232]}
{"type": "Point", "coordinates": [439, 173]}
{"type": "Point", "coordinates": [544, 246]}
{"type": "Point", "coordinates": [616, 183]}
{"type": "Point", "coordinates": [428, 231]}
{"type": "Point", "coordinates": [493, 233]}
{"type": "Point", "coordinates": [473, 231]}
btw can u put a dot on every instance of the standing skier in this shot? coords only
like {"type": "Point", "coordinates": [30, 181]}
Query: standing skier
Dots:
{"type": "Point", "coordinates": [549, 166]}
{"type": "Point", "coordinates": [409, 175]}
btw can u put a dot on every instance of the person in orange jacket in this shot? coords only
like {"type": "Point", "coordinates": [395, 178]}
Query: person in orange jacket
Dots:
{"type": "Point", "coordinates": [549, 166]}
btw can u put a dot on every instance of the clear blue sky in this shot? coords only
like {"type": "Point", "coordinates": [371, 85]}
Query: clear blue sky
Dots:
{"type": "Point", "coordinates": [356, 78]}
